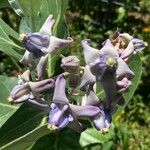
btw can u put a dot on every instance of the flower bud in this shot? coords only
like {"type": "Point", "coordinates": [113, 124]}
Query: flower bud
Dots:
{"type": "Point", "coordinates": [41, 86]}
{"type": "Point", "coordinates": [70, 64]}
{"type": "Point", "coordinates": [34, 42]}
{"type": "Point", "coordinates": [139, 45]}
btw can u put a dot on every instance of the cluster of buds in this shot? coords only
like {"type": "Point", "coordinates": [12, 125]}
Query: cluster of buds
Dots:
{"type": "Point", "coordinates": [107, 67]}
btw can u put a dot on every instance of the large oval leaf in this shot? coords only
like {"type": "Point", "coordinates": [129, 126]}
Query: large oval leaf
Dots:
{"type": "Point", "coordinates": [6, 110]}
{"type": "Point", "coordinates": [23, 128]}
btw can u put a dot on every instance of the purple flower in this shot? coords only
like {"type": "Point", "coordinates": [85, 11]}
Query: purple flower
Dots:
{"type": "Point", "coordinates": [70, 64]}
{"type": "Point", "coordinates": [39, 44]}
{"type": "Point", "coordinates": [101, 121]}
{"type": "Point", "coordinates": [63, 114]}
{"type": "Point", "coordinates": [26, 90]}
{"type": "Point", "coordinates": [87, 79]}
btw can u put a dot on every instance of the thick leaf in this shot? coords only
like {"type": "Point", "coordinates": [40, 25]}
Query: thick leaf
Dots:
{"type": "Point", "coordinates": [6, 110]}
{"type": "Point", "coordinates": [62, 140]}
{"type": "Point", "coordinates": [28, 9]}
{"type": "Point", "coordinates": [4, 3]}
{"type": "Point", "coordinates": [23, 128]}
{"type": "Point", "coordinates": [92, 136]}
{"type": "Point", "coordinates": [7, 38]}
{"type": "Point", "coordinates": [55, 7]}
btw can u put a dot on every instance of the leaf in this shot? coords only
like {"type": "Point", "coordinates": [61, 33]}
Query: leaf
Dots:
{"type": "Point", "coordinates": [57, 9]}
{"type": "Point", "coordinates": [4, 3]}
{"type": "Point", "coordinates": [7, 45]}
{"type": "Point", "coordinates": [28, 9]}
{"type": "Point", "coordinates": [23, 27]}
{"type": "Point", "coordinates": [136, 66]}
{"type": "Point", "coordinates": [62, 140]}
{"type": "Point", "coordinates": [6, 110]}
{"type": "Point", "coordinates": [23, 128]}
{"type": "Point", "coordinates": [92, 136]}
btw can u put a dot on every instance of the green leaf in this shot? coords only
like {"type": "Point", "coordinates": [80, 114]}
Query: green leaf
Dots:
{"type": "Point", "coordinates": [92, 136]}
{"type": "Point", "coordinates": [6, 110]}
{"type": "Point", "coordinates": [23, 128]}
{"type": "Point", "coordinates": [28, 9]}
{"type": "Point", "coordinates": [7, 38]}
{"type": "Point", "coordinates": [62, 140]}
{"type": "Point", "coordinates": [4, 3]}
{"type": "Point", "coordinates": [57, 9]}
{"type": "Point", "coordinates": [136, 66]}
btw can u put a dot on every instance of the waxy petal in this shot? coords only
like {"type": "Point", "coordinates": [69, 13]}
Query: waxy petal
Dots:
{"type": "Point", "coordinates": [70, 64]}
{"type": "Point", "coordinates": [87, 79]}
{"type": "Point", "coordinates": [19, 91]}
{"type": "Point", "coordinates": [84, 111]}
{"type": "Point", "coordinates": [41, 104]}
{"type": "Point", "coordinates": [139, 45]}
{"type": "Point", "coordinates": [34, 42]}
{"type": "Point", "coordinates": [47, 26]}
{"type": "Point", "coordinates": [92, 98]}
{"type": "Point", "coordinates": [41, 66]}
{"type": "Point", "coordinates": [128, 51]}
{"type": "Point", "coordinates": [59, 115]}
{"type": "Point", "coordinates": [102, 122]}
{"type": "Point", "coordinates": [123, 85]}
{"type": "Point", "coordinates": [25, 76]}
{"type": "Point", "coordinates": [41, 86]}
{"type": "Point", "coordinates": [57, 43]}
{"type": "Point", "coordinates": [90, 54]}
{"type": "Point", "coordinates": [108, 50]}
{"type": "Point", "coordinates": [59, 91]}
{"type": "Point", "coordinates": [123, 70]}
{"type": "Point", "coordinates": [27, 58]}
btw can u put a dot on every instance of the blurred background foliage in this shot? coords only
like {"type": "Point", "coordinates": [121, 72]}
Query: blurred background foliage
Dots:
{"type": "Point", "coordinates": [97, 20]}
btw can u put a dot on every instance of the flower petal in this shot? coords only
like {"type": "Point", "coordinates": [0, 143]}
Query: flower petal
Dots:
{"type": "Point", "coordinates": [34, 42]}
{"type": "Point", "coordinates": [139, 45]}
{"type": "Point", "coordinates": [39, 103]}
{"type": "Point", "coordinates": [128, 51]}
{"type": "Point", "coordinates": [57, 43]}
{"type": "Point", "coordinates": [84, 111]}
{"type": "Point", "coordinates": [41, 66]}
{"type": "Point", "coordinates": [25, 76]}
{"type": "Point", "coordinates": [92, 98]}
{"type": "Point", "coordinates": [47, 26]}
{"type": "Point", "coordinates": [123, 70]}
{"type": "Point", "coordinates": [70, 64]}
{"type": "Point", "coordinates": [90, 54]}
{"type": "Point", "coordinates": [87, 79]}
{"type": "Point", "coordinates": [109, 50]}
{"type": "Point", "coordinates": [59, 115]}
{"type": "Point", "coordinates": [19, 91]}
{"type": "Point", "coordinates": [41, 86]}
{"type": "Point", "coordinates": [59, 91]}
{"type": "Point", "coordinates": [102, 122]}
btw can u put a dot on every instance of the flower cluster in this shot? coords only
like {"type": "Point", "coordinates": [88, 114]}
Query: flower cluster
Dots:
{"type": "Point", "coordinates": [107, 67]}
